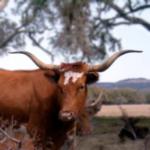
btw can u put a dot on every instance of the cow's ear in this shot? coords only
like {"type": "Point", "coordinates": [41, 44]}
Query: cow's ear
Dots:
{"type": "Point", "coordinates": [92, 77]}
{"type": "Point", "coordinates": [52, 74]}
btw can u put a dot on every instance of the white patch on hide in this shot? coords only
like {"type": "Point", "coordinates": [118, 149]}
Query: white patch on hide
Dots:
{"type": "Point", "coordinates": [72, 75]}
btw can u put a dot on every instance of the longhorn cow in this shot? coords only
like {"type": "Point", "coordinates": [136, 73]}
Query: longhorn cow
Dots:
{"type": "Point", "coordinates": [50, 99]}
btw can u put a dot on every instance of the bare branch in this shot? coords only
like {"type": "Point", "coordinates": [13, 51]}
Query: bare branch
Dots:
{"type": "Point", "coordinates": [9, 137]}
{"type": "Point", "coordinates": [133, 20]}
{"type": "Point", "coordinates": [4, 43]}
{"type": "Point", "coordinates": [140, 8]}
{"type": "Point", "coordinates": [124, 113]}
{"type": "Point", "coordinates": [40, 46]}
{"type": "Point", "coordinates": [121, 23]}
{"type": "Point", "coordinates": [16, 32]}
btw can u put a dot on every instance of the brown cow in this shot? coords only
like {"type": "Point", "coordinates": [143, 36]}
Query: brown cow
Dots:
{"type": "Point", "coordinates": [49, 99]}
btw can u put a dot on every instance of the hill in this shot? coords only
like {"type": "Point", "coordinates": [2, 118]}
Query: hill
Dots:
{"type": "Point", "coordinates": [134, 83]}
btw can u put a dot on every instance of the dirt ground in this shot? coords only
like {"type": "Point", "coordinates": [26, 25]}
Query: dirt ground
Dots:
{"type": "Point", "coordinates": [105, 136]}
{"type": "Point", "coordinates": [109, 142]}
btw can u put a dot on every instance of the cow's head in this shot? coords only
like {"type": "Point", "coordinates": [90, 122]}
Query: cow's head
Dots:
{"type": "Point", "coordinates": [72, 80]}
{"type": "Point", "coordinates": [73, 83]}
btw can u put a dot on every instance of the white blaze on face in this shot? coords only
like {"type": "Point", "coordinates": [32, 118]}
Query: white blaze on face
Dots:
{"type": "Point", "coordinates": [72, 75]}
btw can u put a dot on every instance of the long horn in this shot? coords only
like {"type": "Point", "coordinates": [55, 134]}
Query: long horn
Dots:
{"type": "Point", "coordinates": [38, 62]}
{"type": "Point", "coordinates": [109, 62]}
{"type": "Point", "coordinates": [98, 101]}
{"type": "Point", "coordinates": [93, 107]}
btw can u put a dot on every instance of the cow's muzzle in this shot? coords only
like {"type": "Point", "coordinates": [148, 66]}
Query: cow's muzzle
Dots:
{"type": "Point", "coordinates": [67, 116]}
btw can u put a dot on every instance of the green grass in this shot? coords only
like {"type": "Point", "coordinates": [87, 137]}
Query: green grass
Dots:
{"type": "Point", "coordinates": [110, 125]}
{"type": "Point", "coordinates": [105, 136]}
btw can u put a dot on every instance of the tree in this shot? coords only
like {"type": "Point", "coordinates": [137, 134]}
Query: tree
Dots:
{"type": "Point", "coordinates": [82, 29]}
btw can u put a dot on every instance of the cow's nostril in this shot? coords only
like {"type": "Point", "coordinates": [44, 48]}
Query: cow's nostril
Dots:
{"type": "Point", "coordinates": [66, 116]}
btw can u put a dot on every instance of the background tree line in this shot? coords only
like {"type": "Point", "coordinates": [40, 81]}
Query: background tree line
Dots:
{"type": "Point", "coordinates": [121, 96]}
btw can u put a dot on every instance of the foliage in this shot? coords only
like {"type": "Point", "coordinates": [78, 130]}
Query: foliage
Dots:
{"type": "Point", "coordinates": [69, 27]}
{"type": "Point", "coordinates": [126, 96]}
{"type": "Point", "coordinates": [105, 122]}
{"type": "Point", "coordinates": [121, 96]}
{"type": "Point", "coordinates": [148, 97]}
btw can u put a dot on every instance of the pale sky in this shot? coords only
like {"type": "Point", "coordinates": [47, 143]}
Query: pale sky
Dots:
{"type": "Point", "coordinates": [131, 65]}
{"type": "Point", "coordinates": [128, 66]}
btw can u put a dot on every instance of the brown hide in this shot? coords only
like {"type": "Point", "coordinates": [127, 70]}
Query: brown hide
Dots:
{"type": "Point", "coordinates": [36, 98]}
{"type": "Point", "coordinates": [29, 96]}
{"type": "Point", "coordinates": [23, 92]}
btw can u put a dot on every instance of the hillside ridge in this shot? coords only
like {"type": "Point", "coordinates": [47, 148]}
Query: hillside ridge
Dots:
{"type": "Point", "coordinates": [135, 83]}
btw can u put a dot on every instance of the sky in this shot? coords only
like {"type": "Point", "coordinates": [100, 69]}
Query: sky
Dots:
{"type": "Point", "coordinates": [132, 65]}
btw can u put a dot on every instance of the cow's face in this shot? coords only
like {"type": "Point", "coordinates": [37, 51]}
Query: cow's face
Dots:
{"type": "Point", "coordinates": [73, 88]}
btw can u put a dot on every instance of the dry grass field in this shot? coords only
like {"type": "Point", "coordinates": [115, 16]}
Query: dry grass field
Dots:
{"type": "Point", "coordinates": [142, 110]}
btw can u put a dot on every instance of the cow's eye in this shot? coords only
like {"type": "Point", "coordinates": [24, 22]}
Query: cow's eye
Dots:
{"type": "Point", "coordinates": [82, 87]}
